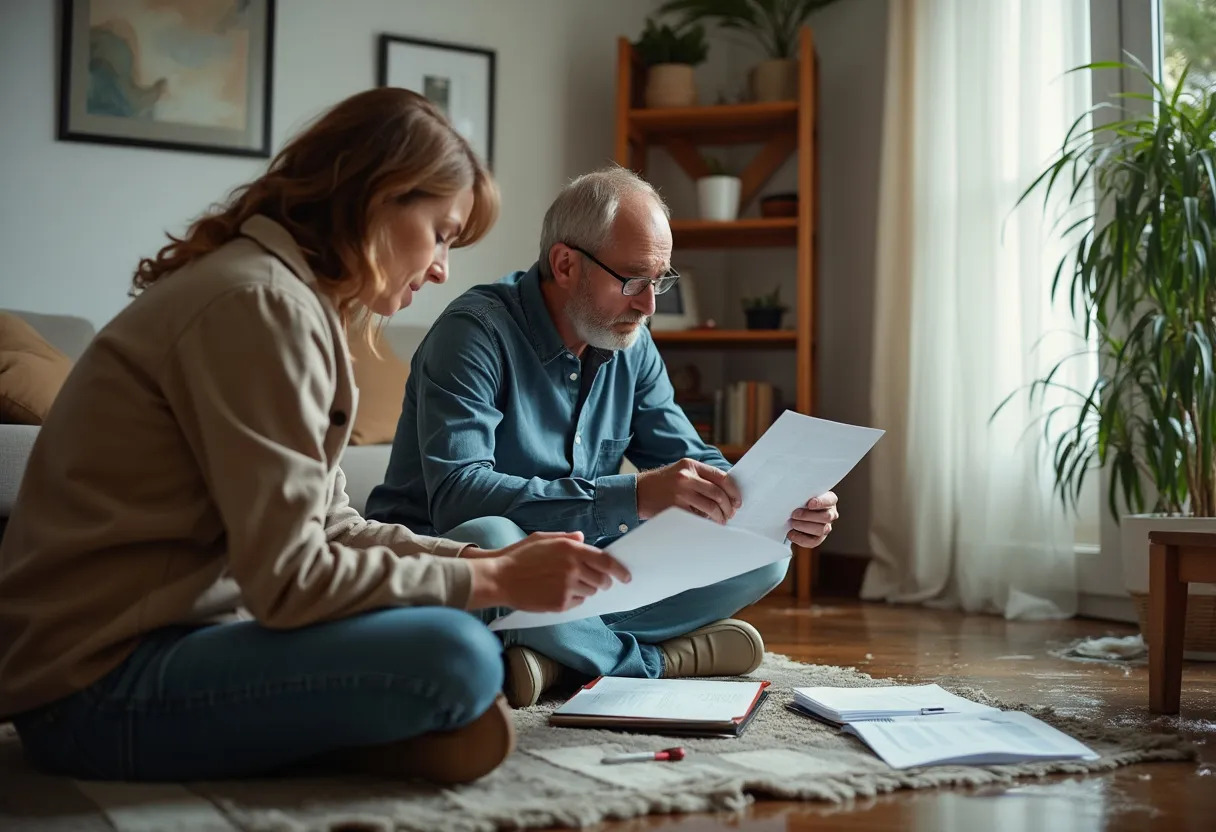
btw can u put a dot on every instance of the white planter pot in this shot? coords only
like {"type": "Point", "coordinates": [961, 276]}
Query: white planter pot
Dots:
{"type": "Point", "coordinates": [718, 197]}
{"type": "Point", "coordinates": [1133, 543]}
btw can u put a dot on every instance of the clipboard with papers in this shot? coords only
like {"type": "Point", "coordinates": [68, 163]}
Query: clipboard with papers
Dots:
{"type": "Point", "coordinates": [675, 707]}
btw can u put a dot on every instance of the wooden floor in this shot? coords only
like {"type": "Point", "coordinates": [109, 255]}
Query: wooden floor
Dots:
{"type": "Point", "coordinates": [1009, 660]}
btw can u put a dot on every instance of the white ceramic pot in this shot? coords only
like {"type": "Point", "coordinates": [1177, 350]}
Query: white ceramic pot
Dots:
{"type": "Point", "coordinates": [718, 197]}
{"type": "Point", "coordinates": [775, 80]}
{"type": "Point", "coordinates": [670, 85]}
{"type": "Point", "coordinates": [1133, 545]}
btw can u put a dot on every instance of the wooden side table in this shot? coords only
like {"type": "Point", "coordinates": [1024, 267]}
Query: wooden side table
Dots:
{"type": "Point", "coordinates": [1175, 559]}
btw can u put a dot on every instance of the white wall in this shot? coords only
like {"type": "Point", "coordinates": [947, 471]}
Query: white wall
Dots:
{"type": "Point", "coordinates": [75, 217]}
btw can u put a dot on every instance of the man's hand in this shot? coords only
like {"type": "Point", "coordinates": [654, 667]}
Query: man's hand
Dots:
{"type": "Point", "coordinates": [700, 488]}
{"type": "Point", "coordinates": [544, 572]}
{"type": "Point", "coordinates": [813, 522]}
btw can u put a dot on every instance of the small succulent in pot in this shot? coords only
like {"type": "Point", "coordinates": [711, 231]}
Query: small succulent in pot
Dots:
{"type": "Point", "coordinates": [764, 311]}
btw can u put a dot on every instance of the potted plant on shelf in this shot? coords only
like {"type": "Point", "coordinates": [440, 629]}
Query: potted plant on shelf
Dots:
{"type": "Point", "coordinates": [1143, 284]}
{"type": "Point", "coordinates": [670, 55]}
{"type": "Point", "coordinates": [718, 192]}
{"type": "Point", "coordinates": [772, 24]}
{"type": "Point", "coordinates": [764, 311]}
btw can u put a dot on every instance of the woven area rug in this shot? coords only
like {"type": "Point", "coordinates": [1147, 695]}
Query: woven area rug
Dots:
{"type": "Point", "coordinates": [555, 778]}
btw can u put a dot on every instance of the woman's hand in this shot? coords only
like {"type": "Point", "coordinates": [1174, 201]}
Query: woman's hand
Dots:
{"type": "Point", "coordinates": [544, 572]}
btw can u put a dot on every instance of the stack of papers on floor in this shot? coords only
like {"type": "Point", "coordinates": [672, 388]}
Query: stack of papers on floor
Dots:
{"type": "Point", "coordinates": [694, 707]}
{"type": "Point", "coordinates": [911, 726]}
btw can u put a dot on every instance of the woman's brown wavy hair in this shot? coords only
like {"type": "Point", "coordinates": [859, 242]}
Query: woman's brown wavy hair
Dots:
{"type": "Point", "coordinates": [330, 185]}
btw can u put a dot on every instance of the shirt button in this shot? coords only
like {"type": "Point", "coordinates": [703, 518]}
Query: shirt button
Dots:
{"type": "Point", "coordinates": [624, 527]}
{"type": "Point", "coordinates": [574, 376]}
{"type": "Point", "coordinates": [578, 440]}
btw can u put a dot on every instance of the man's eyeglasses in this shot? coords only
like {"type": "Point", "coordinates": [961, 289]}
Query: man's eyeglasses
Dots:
{"type": "Point", "coordinates": [635, 285]}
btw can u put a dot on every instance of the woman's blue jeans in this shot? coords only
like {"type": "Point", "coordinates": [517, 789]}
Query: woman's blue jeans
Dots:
{"type": "Point", "coordinates": [623, 643]}
{"type": "Point", "coordinates": [229, 700]}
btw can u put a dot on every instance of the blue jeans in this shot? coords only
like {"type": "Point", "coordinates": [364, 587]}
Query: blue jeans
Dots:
{"type": "Point", "coordinates": [623, 643]}
{"type": "Point", "coordinates": [228, 700]}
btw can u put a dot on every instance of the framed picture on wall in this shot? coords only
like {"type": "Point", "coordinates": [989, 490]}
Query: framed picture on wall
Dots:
{"type": "Point", "coordinates": [189, 75]}
{"type": "Point", "coordinates": [677, 307]}
{"type": "Point", "coordinates": [459, 80]}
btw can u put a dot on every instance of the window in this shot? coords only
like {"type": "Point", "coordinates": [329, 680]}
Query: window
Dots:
{"type": "Point", "coordinates": [1188, 38]}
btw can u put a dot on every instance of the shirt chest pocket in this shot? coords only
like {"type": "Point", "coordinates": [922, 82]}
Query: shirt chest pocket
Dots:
{"type": "Point", "coordinates": [341, 424]}
{"type": "Point", "coordinates": [611, 454]}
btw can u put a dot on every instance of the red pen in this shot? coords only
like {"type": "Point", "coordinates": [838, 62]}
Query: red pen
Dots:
{"type": "Point", "coordinates": [670, 755]}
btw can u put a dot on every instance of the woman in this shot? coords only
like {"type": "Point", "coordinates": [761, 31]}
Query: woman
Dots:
{"type": "Point", "coordinates": [187, 477]}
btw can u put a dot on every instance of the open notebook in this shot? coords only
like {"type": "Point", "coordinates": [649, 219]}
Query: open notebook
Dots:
{"type": "Point", "coordinates": [924, 725]}
{"type": "Point", "coordinates": [694, 707]}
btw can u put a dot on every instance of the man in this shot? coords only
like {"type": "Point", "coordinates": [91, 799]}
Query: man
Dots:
{"type": "Point", "coordinates": [523, 400]}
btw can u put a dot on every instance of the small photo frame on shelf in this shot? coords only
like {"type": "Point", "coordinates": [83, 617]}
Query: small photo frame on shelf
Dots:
{"type": "Point", "coordinates": [677, 307]}
{"type": "Point", "coordinates": [459, 80]}
{"type": "Point", "coordinates": [168, 74]}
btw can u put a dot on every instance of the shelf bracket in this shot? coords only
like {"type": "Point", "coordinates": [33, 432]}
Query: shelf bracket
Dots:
{"type": "Point", "coordinates": [771, 156]}
{"type": "Point", "coordinates": [688, 157]}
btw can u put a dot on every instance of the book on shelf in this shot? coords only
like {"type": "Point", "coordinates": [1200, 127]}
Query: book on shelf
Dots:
{"type": "Point", "coordinates": [700, 411]}
{"type": "Point", "coordinates": [737, 414]}
{"type": "Point", "coordinates": [743, 411]}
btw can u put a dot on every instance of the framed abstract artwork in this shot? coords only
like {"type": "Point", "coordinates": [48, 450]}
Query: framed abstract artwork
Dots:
{"type": "Point", "coordinates": [459, 80]}
{"type": "Point", "coordinates": [190, 75]}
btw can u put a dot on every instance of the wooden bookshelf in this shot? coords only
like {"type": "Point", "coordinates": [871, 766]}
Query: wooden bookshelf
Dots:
{"type": "Point", "coordinates": [717, 125]}
{"type": "Point", "coordinates": [726, 338]}
{"type": "Point", "coordinates": [745, 233]}
{"type": "Point", "coordinates": [781, 129]}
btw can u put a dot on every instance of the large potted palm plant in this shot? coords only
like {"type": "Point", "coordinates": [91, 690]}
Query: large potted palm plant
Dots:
{"type": "Point", "coordinates": [771, 24]}
{"type": "Point", "coordinates": [1142, 282]}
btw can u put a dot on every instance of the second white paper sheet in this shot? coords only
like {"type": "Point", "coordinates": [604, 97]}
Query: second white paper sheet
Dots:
{"type": "Point", "coordinates": [670, 553]}
{"type": "Point", "coordinates": [798, 458]}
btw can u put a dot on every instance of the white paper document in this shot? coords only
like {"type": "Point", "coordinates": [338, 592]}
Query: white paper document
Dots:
{"type": "Point", "coordinates": [671, 552]}
{"type": "Point", "coordinates": [984, 739]}
{"type": "Point", "coordinates": [695, 700]}
{"type": "Point", "coordinates": [797, 458]}
{"type": "Point", "coordinates": [856, 704]}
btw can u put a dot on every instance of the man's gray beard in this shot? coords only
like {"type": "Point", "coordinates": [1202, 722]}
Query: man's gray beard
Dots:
{"type": "Point", "coordinates": [595, 328]}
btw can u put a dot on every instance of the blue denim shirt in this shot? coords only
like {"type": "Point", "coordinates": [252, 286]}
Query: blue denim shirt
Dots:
{"type": "Point", "coordinates": [488, 423]}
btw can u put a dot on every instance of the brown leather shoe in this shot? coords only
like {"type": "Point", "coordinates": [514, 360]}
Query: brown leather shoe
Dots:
{"type": "Point", "coordinates": [443, 757]}
{"type": "Point", "coordinates": [729, 647]}
{"type": "Point", "coordinates": [529, 674]}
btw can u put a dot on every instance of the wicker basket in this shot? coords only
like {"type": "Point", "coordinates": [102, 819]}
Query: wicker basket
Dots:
{"type": "Point", "coordinates": [1199, 638]}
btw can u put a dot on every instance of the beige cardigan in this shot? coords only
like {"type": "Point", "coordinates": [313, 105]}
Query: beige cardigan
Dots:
{"type": "Point", "coordinates": [188, 471]}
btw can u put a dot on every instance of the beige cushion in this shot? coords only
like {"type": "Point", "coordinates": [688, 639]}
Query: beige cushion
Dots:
{"type": "Point", "coordinates": [381, 382]}
{"type": "Point", "coordinates": [31, 372]}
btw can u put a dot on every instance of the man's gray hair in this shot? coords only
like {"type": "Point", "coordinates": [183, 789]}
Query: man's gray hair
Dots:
{"type": "Point", "coordinates": [583, 213]}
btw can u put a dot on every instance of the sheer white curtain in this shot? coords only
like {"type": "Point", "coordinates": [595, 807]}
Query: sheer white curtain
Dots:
{"type": "Point", "coordinates": [977, 100]}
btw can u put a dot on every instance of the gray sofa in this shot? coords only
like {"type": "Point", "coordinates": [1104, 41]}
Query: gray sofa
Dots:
{"type": "Point", "coordinates": [364, 465]}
